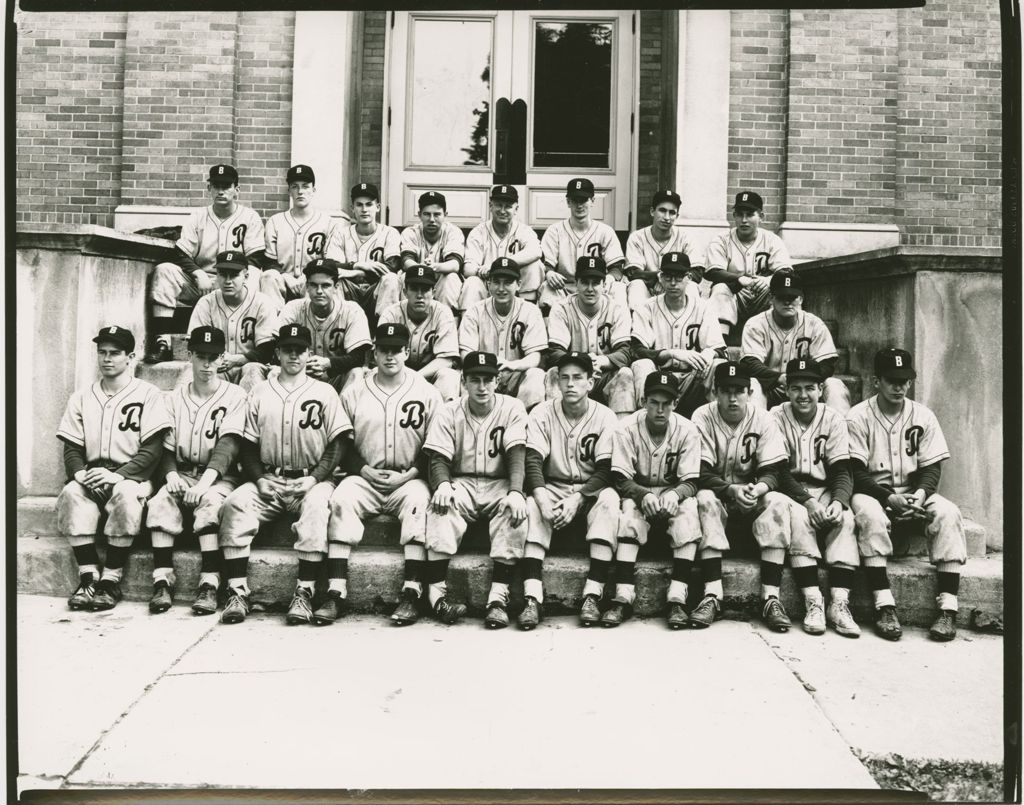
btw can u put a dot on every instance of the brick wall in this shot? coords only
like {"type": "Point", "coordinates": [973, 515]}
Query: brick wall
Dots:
{"type": "Point", "coordinates": [653, 116]}
{"type": "Point", "coordinates": [69, 86]}
{"type": "Point", "coordinates": [371, 97]}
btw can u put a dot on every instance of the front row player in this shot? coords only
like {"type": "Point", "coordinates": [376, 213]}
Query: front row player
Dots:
{"type": "Point", "coordinates": [112, 434]}
{"type": "Point", "coordinates": [897, 449]}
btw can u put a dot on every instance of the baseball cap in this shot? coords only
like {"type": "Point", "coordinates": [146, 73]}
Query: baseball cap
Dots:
{"type": "Point", "coordinates": [118, 336]}
{"type": "Point", "coordinates": [579, 188]}
{"type": "Point", "coordinates": [748, 200]}
{"type": "Point", "coordinates": [804, 368]}
{"type": "Point", "coordinates": [322, 265]}
{"type": "Point", "coordinates": [897, 364]}
{"type": "Point", "coordinates": [433, 197]}
{"type": "Point", "coordinates": [365, 190]}
{"type": "Point", "coordinates": [480, 363]}
{"type": "Point", "coordinates": [675, 262]}
{"type": "Point", "coordinates": [580, 359]}
{"type": "Point", "coordinates": [591, 267]}
{"type": "Point", "coordinates": [731, 373]}
{"type": "Point", "coordinates": [420, 275]}
{"type": "Point", "coordinates": [207, 339]}
{"type": "Point", "coordinates": [391, 334]}
{"type": "Point", "coordinates": [503, 267]}
{"type": "Point", "coordinates": [231, 261]}
{"type": "Point", "coordinates": [661, 381]}
{"type": "Point", "coordinates": [504, 192]}
{"type": "Point", "coordinates": [294, 334]}
{"type": "Point", "coordinates": [300, 173]}
{"type": "Point", "coordinates": [223, 173]}
{"type": "Point", "coordinates": [666, 195]}
{"type": "Point", "coordinates": [785, 283]}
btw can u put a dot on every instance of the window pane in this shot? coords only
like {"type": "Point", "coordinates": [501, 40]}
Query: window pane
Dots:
{"type": "Point", "coordinates": [572, 91]}
{"type": "Point", "coordinates": [451, 92]}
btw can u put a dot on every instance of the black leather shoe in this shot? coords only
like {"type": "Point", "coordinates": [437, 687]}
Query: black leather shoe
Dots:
{"type": "Point", "coordinates": [887, 625]}
{"type": "Point", "coordinates": [944, 627]}
{"type": "Point", "coordinates": [158, 353]}
{"type": "Point", "coordinates": [108, 593]}
{"type": "Point", "coordinates": [774, 615]}
{"type": "Point", "coordinates": [82, 597]}
{"type": "Point", "coordinates": [617, 613]}
{"type": "Point", "coordinates": [206, 600]}
{"type": "Point", "coordinates": [497, 616]}
{"type": "Point", "coordinates": [331, 609]}
{"type": "Point", "coordinates": [705, 613]}
{"type": "Point", "coordinates": [590, 611]}
{"type": "Point", "coordinates": [447, 612]}
{"type": "Point", "coordinates": [161, 598]}
{"type": "Point", "coordinates": [531, 615]}
{"type": "Point", "coordinates": [677, 616]}
{"type": "Point", "coordinates": [406, 612]}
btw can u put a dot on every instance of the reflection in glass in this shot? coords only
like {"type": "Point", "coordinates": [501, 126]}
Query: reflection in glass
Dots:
{"type": "Point", "coordinates": [451, 92]}
{"type": "Point", "coordinates": [572, 91]}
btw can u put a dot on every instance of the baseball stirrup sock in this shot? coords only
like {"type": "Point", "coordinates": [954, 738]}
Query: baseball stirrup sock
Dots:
{"type": "Point", "coordinates": [840, 577]}
{"type": "Point", "coordinates": [116, 557]}
{"type": "Point", "coordinates": [948, 582]}
{"type": "Point", "coordinates": [597, 576]}
{"type": "Point", "coordinates": [533, 585]}
{"type": "Point", "coordinates": [307, 573]}
{"type": "Point", "coordinates": [436, 576]}
{"type": "Point", "coordinates": [806, 578]}
{"type": "Point", "coordinates": [87, 558]}
{"type": "Point", "coordinates": [711, 571]}
{"type": "Point", "coordinates": [500, 579]}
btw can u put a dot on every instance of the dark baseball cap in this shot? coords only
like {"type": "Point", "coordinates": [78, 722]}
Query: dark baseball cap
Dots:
{"type": "Point", "coordinates": [294, 334]}
{"type": "Point", "coordinates": [118, 336]}
{"type": "Point", "coordinates": [591, 267]}
{"type": "Point", "coordinates": [365, 190]}
{"type": "Point", "coordinates": [231, 261]}
{"type": "Point", "coordinates": [803, 368]}
{"type": "Point", "coordinates": [503, 267]}
{"type": "Point", "coordinates": [897, 364]}
{"type": "Point", "coordinates": [666, 195]}
{"type": "Point", "coordinates": [207, 339]}
{"type": "Point", "coordinates": [222, 174]}
{"type": "Point", "coordinates": [322, 265]}
{"type": "Point", "coordinates": [391, 334]}
{"type": "Point", "coordinates": [748, 200]}
{"type": "Point", "coordinates": [433, 197]}
{"type": "Point", "coordinates": [579, 188]}
{"type": "Point", "coordinates": [504, 192]}
{"type": "Point", "coordinates": [480, 363]}
{"type": "Point", "coordinates": [785, 283]}
{"type": "Point", "coordinates": [675, 263]}
{"type": "Point", "coordinates": [420, 275]}
{"type": "Point", "coordinates": [300, 173]}
{"type": "Point", "coordinates": [731, 373]}
{"type": "Point", "coordinates": [580, 359]}
{"type": "Point", "coordinates": [661, 381]}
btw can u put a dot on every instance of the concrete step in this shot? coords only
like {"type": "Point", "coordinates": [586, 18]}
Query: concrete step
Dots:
{"type": "Point", "coordinates": [46, 567]}
{"type": "Point", "coordinates": [179, 346]}
{"type": "Point", "coordinates": [842, 365]}
{"type": "Point", "coordinates": [167, 375]}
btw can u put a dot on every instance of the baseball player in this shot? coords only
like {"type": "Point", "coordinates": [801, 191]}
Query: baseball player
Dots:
{"type": "Point", "coordinates": [391, 409]}
{"type": "Point", "coordinates": [568, 478]}
{"type": "Point", "coordinates": [476, 450]}
{"type": "Point", "coordinates": [739, 262]}
{"type": "Point", "coordinates": [511, 328]}
{"type": "Point", "coordinates": [224, 226]}
{"type": "Point", "coordinates": [291, 446]}
{"type": "Point", "coordinates": [897, 449]}
{"type": "Point", "coordinates": [589, 322]}
{"type": "Point", "coordinates": [502, 235]}
{"type": "Point", "coordinates": [370, 252]}
{"type": "Point", "coordinates": [295, 237]}
{"type": "Point", "coordinates": [439, 244]}
{"type": "Point", "coordinates": [676, 332]}
{"type": "Point", "coordinates": [819, 479]}
{"type": "Point", "coordinates": [339, 329]}
{"type": "Point", "coordinates": [783, 332]}
{"type": "Point", "coordinates": [655, 463]}
{"type": "Point", "coordinates": [578, 236]}
{"type": "Point", "coordinates": [433, 337]}
{"type": "Point", "coordinates": [245, 316]}
{"type": "Point", "coordinates": [112, 434]}
{"type": "Point", "coordinates": [742, 458]}
{"type": "Point", "coordinates": [645, 248]}
{"type": "Point", "coordinates": [198, 465]}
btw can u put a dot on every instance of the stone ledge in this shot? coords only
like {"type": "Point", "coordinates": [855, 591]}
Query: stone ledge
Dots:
{"type": "Point", "coordinates": [95, 240]}
{"type": "Point", "coordinates": [899, 261]}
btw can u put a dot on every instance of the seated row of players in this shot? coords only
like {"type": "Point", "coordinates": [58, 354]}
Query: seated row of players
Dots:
{"type": "Point", "coordinates": [798, 477]}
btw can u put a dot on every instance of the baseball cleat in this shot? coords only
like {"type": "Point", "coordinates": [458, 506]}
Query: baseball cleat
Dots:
{"type": "Point", "coordinates": [617, 613]}
{"type": "Point", "coordinates": [531, 614]}
{"type": "Point", "coordinates": [236, 608]}
{"type": "Point", "coordinates": [590, 611]}
{"type": "Point", "coordinates": [206, 600]}
{"type": "Point", "coordinates": [406, 612]}
{"type": "Point", "coordinates": [677, 616]}
{"type": "Point", "coordinates": [447, 612]}
{"type": "Point", "coordinates": [774, 615]}
{"type": "Point", "coordinates": [887, 625]}
{"type": "Point", "coordinates": [944, 627]}
{"type": "Point", "coordinates": [814, 618]}
{"type": "Point", "coordinates": [108, 593]}
{"type": "Point", "coordinates": [82, 597]}
{"type": "Point", "coordinates": [301, 609]}
{"type": "Point", "coordinates": [158, 353]}
{"type": "Point", "coordinates": [331, 609]}
{"type": "Point", "coordinates": [841, 619]}
{"type": "Point", "coordinates": [160, 601]}
{"type": "Point", "coordinates": [497, 616]}
{"type": "Point", "coordinates": [705, 613]}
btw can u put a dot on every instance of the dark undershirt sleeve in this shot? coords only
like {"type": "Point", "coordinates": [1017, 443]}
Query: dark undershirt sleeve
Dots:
{"type": "Point", "coordinates": [601, 479]}
{"type": "Point", "coordinates": [347, 362]}
{"type": "Point", "coordinates": [440, 470]}
{"type": "Point", "coordinates": [141, 467]}
{"type": "Point", "coordinates": [757, 369]}
{"type": "Point", "coordinates": [640, 352]}
{"type": "Point", "coordinates": [516, 460]}
{"type": "Point", "coordinates": [791, 487]}
{"type": "Point", "coordinates": [249, 456]}
{"type": "Point", "coordinates": [864, 484]}
{"type": "Point", "coordinates": [770, 474]}
{"type": "Point", "coordinates": [74, 458]}
{"type": "Point", "coordinates": [534, 471]}
{"type": "Point", "coordinates": [328, 461]}
{"type": "Point", "coordinates": [620, 355]}
{"type": "Point", "coordinates": [686, 489]}
{"type": "Point", "coordinates": [709, 479]}
{"type": "Point", "coordinates": [721, 275]}
{"type": "Point", "coordinates": [927, 478]}
{"type": "Point", "coordinates": [225, 454]}
{"type": "Point", "coordinates": [185, 262]}
{"type": "Point", "coordinates": [628, 488]}
{"type": "Point", "coordinates": [840, 482]}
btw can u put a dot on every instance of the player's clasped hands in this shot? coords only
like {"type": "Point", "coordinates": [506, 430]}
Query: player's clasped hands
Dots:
{"type": "Point", "coordinates": [317, 366]}
{"type": "Point", "coordinates": [908, 507]}
{"type": "Point", "coordinates": [689, 359]}
{"type": "Point", "coordinates": [565, 510]}
{"type": "Point", "coordinates": [194, 494]}
{"type": "Point", "coordinates": [745, 496]}
{"type": "Point", "coordinates": [386, 481]}
{"type": "Point", "coordinates": [230, 361]}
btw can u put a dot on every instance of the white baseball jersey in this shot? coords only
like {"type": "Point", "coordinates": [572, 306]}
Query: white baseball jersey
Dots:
{"type": "Point", "coordinates": [643, 251]}
{"type": "Point", "coordinates": [245, 327]}
{"type": "Point", "coordinates": [478, 446]}
{"type": "Point", "coordinates": [293, 243]}
{"type": "Point", "coordinates": [892, 449]}
{"type": "Point", "coordinates": [112, 429]}
{"type": "Point", "coordinates": [450, 243]}
{"type": "Point", "coordinates": [197, 425]}
{"type": "Point", "coordinates": [695, 327]}
{"type": "Point", "coordinates": [656, 464]}
{"type": "Point", "coordinates": [572, 329]}
{"type": "Point", "coordinates": [571, 450]}
{"type": "Point", "coordinates": [381, 245]}
{"type": "Point", "coordinates": [737, 452]}
{"type": "Point", "coordinates": [293, 428]}
{"type": "Point", "coordinates": [510, 337]}
{"type": "Point", "coordinates": [765, 255]}
{"type": "Point", "coordinates": [390, 427]}
{"type": "Point", "coordinates": [774, 347]}
{"type": "Point", "coordinates": [812, 448]}
{"type": "Point", "coordinates": [434, 337]}
{"type": "Point", "coordinates": [484, 245]}
{"type": "Point", "coordinates": [561, 246]}
{"type": "Point", "coordinates": [343, 330]}
{"type": "Point", "coordinates": [204, 235]}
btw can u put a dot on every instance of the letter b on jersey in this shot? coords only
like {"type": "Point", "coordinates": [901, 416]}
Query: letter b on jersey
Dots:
{"type": "Point", "coordinates": [314, 415]}
{"type": "Point", "coordinates": [415, 415]}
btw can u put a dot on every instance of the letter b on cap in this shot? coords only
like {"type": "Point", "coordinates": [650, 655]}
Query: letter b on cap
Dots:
{"type": "Point", "coordinates": [206, 337]}
{"type": "Point", "coordinates": [899, 360]}
{"type": "Point", "coordinates": [732, 371]}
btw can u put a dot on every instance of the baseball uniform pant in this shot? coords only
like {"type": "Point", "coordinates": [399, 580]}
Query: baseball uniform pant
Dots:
{"type": "Point", "coordinates": [616, 290]}
{"type": "Point", "coordinates": [172, 287]}
{"type": "Point", "coordinates": [614, 388]}
{"type": "Point", "coordinates": [736, 307]}
{"type": "Point", "coordinates": [840, 540]}
{"type": "Point", "coordinates": [244, 511]}
{"type": "Point", "coordinates": [694, 387]}
{"type": "Point", "coordinates": [770, 523]}
{"type": "Point", "coordinates": [946, 539]}
{"type": "Point", "coordinates": [166, 512]}
{"type": "Point", "coordinates": [834, 394]}
{"type": "Point", "coordinates": [527, 386]}
{"type": "Point", "coordinates": [280, 287]}
{"type": "Point", "coordinates": [78, 514]}
{"type": "Point", "coordinates": [372, 297]}
{"type": "Point", "coordinates": [602, 515]}
{"type": "Point", "coordinates": [355, 499]}
{"type": "Point", "coordinates": [683, 529]}
{"type": "Point", "coordinates": [472, 495]}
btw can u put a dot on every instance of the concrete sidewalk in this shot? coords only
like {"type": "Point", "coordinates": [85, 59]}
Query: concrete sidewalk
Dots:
{"type": "Point", "coordinates": [127, 699]}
